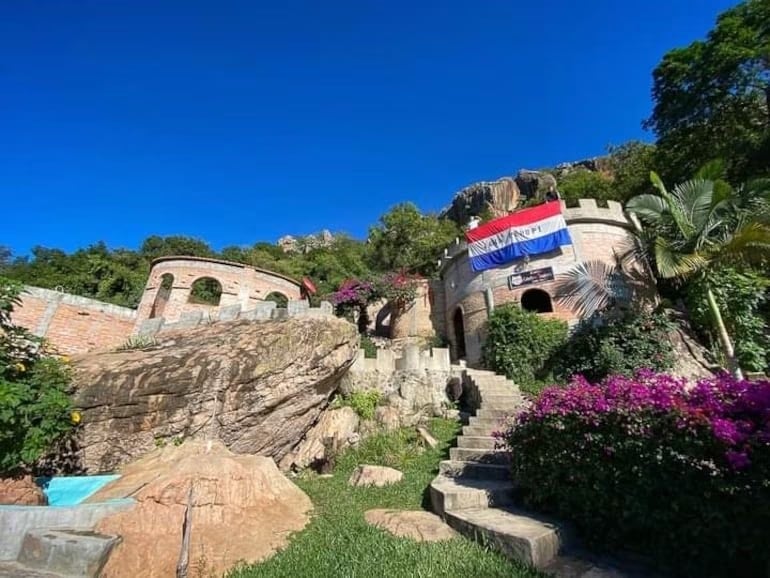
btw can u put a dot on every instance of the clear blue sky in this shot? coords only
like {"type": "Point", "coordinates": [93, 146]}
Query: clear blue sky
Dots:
{"type": "Point", "coordinates": [237, 121]}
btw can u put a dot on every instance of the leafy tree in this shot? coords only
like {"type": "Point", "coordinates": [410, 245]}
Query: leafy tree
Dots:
{"type": "Point", "coordinates": [155, 246]}
{"type": "Point", "coordinates": [585, 184]}
{"type": "Point", "coordinates": [630, 164]}
{"type": "Point", "coordinates": [712, 98]}
{"type": "Point", "coordinates": [405, 239]}
{"type": "Point", "coordinates": [701, 227]}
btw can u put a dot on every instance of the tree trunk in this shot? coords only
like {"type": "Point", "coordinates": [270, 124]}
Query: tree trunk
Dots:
{"type": "Point", "coordinates": [724, 338]}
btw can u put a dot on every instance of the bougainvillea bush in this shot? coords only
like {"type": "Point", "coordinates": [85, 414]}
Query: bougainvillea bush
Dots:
{"type": "Point", "coordinates": [647, 463]}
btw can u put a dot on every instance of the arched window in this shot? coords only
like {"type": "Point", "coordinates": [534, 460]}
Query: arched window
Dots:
{"type": "Point", "coordinates": [205, 291]}
{"type": "Point", "coordinates": [459, 327]}
{"type": "Point", "coordinates": [278, 298]}
{"type": "Point", "coordinates": [536, 300]}
{"type": "Point", "coordinates": [161, 297]}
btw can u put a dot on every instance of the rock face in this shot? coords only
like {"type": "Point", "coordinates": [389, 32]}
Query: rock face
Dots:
{"type": "Point", "coordinates": [21, 491]}
{"type": "Point", "coordinates": [535, 184]}
{"type": "Point", "coordinates": [241, 508]}
{"type": "Point", "coordinates": [378, 476]}
{"type": "Point", "coordinates": [257, 387]}
{"type": "Point", "coordinates": [498, 197]}
{"type": "Point", "coordinates": [336, 430]}
{"type": "Point", "coordinates": [417, 525]}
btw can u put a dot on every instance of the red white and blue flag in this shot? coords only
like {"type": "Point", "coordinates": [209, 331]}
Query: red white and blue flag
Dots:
{"type": "Point", "coordinates": [533, 231]}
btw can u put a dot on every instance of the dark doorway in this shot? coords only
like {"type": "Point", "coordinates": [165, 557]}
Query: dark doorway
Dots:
{"type": "Point", "coordinates": [279, 299]}
{"type": "Point", "coordinates": [537, 301]}
{"type": "Point", "coordinates": [459, 326]}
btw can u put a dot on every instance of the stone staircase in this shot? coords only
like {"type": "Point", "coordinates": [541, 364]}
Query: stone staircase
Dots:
{"type": "Point", "coordinates": [474, 492]}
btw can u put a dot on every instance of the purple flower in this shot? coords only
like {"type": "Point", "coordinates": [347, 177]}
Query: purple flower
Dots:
{"type": "Point", "coordinates": [737, 460]}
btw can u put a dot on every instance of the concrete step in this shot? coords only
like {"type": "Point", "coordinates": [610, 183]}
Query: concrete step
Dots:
{"type": "Point", "coordinates": [74, 553]}
{"type": "Point", "coordinates": [16, 570]}
{"type": "Point", "coordinates": [478, 431]}
{"type": "Point", "coordinates": [468, 493]}
{"type": "Point", "coordinates": [479, 455]}
{"type": "Point", "coordinates": [452, 469]}
{"type": "Point", "coordinates": [515, 534]}
{"type": "Point", "coordinates": [511, 403]}
{"type": "Point", "coordinates": [496, 413]}
{"type": "Point", "coordinates": [477, 442]}
{"type": "Point", "coordinates": [496, 424]}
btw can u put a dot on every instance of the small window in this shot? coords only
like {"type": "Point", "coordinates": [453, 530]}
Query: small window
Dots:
{"type": "Point", "coordinates": [278, 298]}
{"type": "Point", "coordinates": [205, 291]}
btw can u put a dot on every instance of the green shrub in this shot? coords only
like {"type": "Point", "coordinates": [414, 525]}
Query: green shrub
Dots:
{"type": "Point", "coordinates": [35, 408]}
{"type": "Point", "coordinates": [740, 297]}
{"type": "Point", "coordinates": [364, 403]}
{"type": "Point", "coordinates": [370, 349]}
{"type": "Point", "coordinates": [616, 343]}
{"type": "Point", "coordinates": [585, 184]}
{"type": "Point", "coordinates": [520, 343]}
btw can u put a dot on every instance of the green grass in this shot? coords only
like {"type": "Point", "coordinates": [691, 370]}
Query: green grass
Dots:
{"type": "Point", "coordinates": [339, 543]}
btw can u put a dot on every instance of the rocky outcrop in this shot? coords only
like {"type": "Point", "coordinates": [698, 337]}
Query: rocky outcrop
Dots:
{"type": "Point", "coordinates": [291, 244]}
{"type": "Point", "coordinates": [239, 508]}
{"type": "Point", "coordinates": [535, 184]}
{"type": "Point", "coordinates": [377, 476]}
{"type": "Point", "coordinates": [497, 198]}
{"type": "Point", "coordinates": [335, 431]}
{"type": "Point", "coordinates": [21, 491]}
{"type": "Point", "coordinates": [691, 359]}
{"type": "Point", "coordinates": [257, 387]}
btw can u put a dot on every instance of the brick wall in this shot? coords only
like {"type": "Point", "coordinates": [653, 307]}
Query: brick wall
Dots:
{"type": "Point", "coordinates": [73, 324]}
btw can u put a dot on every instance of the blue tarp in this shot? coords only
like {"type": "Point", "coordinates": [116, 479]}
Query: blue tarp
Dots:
{"type": "Point", "coordinates": [71, 490]}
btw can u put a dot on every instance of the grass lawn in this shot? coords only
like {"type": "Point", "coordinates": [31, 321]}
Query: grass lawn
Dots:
{"type": "Point", "coordinates": [339, 543]}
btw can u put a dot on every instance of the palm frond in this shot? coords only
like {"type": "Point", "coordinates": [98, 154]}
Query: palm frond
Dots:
{"type": "Point", "coordinates": [671, 263]}
{"type": "Point", "coordinates": [651, 209]}
{"type": "Point", "coordinates": [673, 203]}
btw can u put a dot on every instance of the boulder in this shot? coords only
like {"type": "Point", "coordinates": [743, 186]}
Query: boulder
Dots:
{"type": "Point", "coordinates": [427, 439]}
{"type": "Point", "coordinates": [535, 184]}
{"type": "Point", "coordinates": [417, 525]}
{"type": "Point", "coordinates": [257, 387]}
{"type": "Point", "coordinates": [241, 508]}
{"type": "Point", "coordinates": [497, 198]}
{"type": "Point", "coordinates": [336, 430]}
{"type": "Point", "coordinates": [379, 476]}
{"type": "Point", "coordinates": [21, 491]}
{"type": "Point", "coordinates": [388, 417]}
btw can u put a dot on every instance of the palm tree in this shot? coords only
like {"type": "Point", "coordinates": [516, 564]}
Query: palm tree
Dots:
{"type": "Point", "coordinates": [700, 226]}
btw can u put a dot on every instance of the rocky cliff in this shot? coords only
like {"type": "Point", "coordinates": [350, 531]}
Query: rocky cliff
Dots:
{"type": "Point", "coordinates": [257, 387]}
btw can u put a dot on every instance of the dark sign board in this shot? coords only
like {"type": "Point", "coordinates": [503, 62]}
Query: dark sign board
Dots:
{"type": "Point", "coordinates": [530, 277]}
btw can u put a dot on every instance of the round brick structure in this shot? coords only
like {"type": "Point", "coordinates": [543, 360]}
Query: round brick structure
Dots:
{"type": "Point", "coordinates": [168, 292]}
{"type": "Point", "coordinates": [465, 297]}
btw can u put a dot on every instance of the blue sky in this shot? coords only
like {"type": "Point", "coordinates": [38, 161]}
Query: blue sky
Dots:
{"type": "Point", "coordinates": [237, 121]}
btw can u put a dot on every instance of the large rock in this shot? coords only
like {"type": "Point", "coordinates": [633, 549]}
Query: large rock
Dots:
{"type": "Point", "coordinates": [242, 508]}
{"type": "Point", "coordinates": [497, 198]}
{"type": "Point", "coordinates": [378, 476]}
{"type": "Point", "coordinates": [535, 184]}
{"type": "Point", "coordinates": [336, 430]}
{"type": "Point", "coordinates": [258, 387]}
{"type": "Point", "coordinates": [21, 491]}
{"type": "Point", "coordinates": [417, 525]}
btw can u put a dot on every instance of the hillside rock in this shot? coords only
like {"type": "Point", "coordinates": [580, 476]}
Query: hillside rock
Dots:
{"type": "Point", "coordinates": [257, 387]}
{"type": "Point", "coordinates": [336, 430]}
{"type": "Point", "coordinates": [535, 184]}
{"type": "Point", "coordinates": [497, 197]}
{"type": "Point", "coordinates": [377, 476]}
{"type": "Point", "coordinates": [241, 509]}
{"type": "Point", "coordinates": [418, 525]}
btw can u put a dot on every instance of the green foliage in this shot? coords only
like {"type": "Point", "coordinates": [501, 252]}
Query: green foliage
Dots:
{"type": "Point", "coordinates": [585, 184]}
{"type": "Point", "coordinates": [206, 291]}
{"type": "Point", "coordinates": [137, 342]}
{"type": "Point", "coordinates": [740, 297]}
{"type": "Point", "coordinates": [370, 349]}
{"type": "Point", "coordinates": [617, 343]}
{"type": "Point", "coordinates": [520, 343]}
{"type": "Point", "coordinates": [339, 542]}
{"type": "Point", "coordinates": [407, 240]}
{"type": "Point", "coordinates": [711, 97]}
{"type": "Point", "coordinates": [364, 403]}
{"type": "Point", "coordinates": [630, 164]}
{"type": "Point", "coordinates": [34, 400]}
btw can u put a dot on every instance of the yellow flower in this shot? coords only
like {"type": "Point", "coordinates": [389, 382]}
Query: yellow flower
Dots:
{"type": "Point", "coordinates": [20, 367]}
{"type": "Point", "coordinates": [76, 417]}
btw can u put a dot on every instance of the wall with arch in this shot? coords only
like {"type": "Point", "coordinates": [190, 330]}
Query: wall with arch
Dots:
{"type": "Point", "coordinates": [171, 280]}
{"type": "Point", "coordinates": [597, 233]}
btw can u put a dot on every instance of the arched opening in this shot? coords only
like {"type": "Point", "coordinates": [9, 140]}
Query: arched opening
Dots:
{"type": "Point", "coordinates": [459, 326]}
{"type": "Point", "coordinates": [278, 298]}
{"type": "Point", "coordinates": [382, 321]}
{"type": "Point", "coordinates": [537, 301]}
{"type": "Point", "coordinates": [161, 297]}
{"type": "Point", "coordinates": [205, 291]}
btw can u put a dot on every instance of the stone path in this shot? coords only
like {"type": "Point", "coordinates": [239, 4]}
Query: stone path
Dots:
{"type": "Point", "coordinates": [474, 494]}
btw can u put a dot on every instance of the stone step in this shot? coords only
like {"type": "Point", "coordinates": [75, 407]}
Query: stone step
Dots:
{"type": "Point", "coordinates": [515, 534]}
{"type": "Point", "coordinates": [16, 570]}
{"type": "Point", "coordinates": [477, 442]}
{"type": "Point", "coordinates": [453, 469]}
{"type": "Point", "coordinates": [468, 493]}
{"type": "Point", "coordinates": [74, 553]}
{"type": "Point", "coordinates": [491, 422]}
{"type": "Point", "coordinates": [486, 392]}
{"type": "Point", "coordinates": [501, 402]}
{"type": "Point", "coordinates": [496, 413]}
{"type": "Point", "coordinates": [479, 455]}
